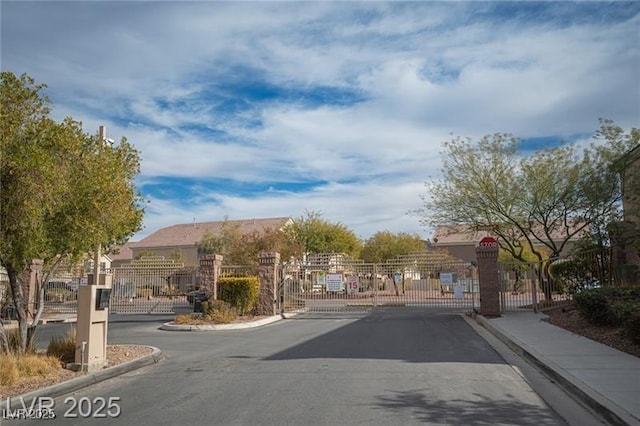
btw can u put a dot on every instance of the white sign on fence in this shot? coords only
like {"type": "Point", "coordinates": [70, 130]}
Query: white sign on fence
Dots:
{"type": "Point", "coordinates": [446, 278]}
{"type": "Point", "coordinates": [320, 278]}
{"type": "Point", "coordinates": [334, 282]}
{"type": "Point", "coordinates": [458, 291]}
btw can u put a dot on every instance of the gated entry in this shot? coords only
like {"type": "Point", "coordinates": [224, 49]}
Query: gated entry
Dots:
{"type": "Point", "coordinates": [147, 285]}
{"type": "Point", "coordinates": [151, 285]}
{"type": "Point", "coordinates": [335, 283]}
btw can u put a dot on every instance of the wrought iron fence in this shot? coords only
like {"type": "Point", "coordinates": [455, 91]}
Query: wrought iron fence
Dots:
{"type": "Point", "coordinates": [336, 283]}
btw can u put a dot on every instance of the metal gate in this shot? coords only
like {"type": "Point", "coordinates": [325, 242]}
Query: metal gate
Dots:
{"type": "Point", "coordinates": [336, 283]}
{"type": "Point", "coordinates": [152, 285]}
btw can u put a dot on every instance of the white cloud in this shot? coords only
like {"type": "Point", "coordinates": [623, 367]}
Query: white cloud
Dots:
{"type": "Point", "coordinates": [155, 72]}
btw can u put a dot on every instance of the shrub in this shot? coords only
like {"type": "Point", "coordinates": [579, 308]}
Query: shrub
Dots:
{"type": "Point", "coordinates": [189, 319]}
{"type": "Point", "coordinates": [144, 292]}
{"type": "Point", "coordinates": [220, 312]}
{"type": "Point", "coordinates": [13, 338]}
{"type": "Point", "coordinates": [593, 305]}
{"type": "Point", "coordinates": [631, 326]}
{"type": "Point", "coordinates": [623, 309]}
{"type": "Point", "coordinates": [240, 292]}
{"type": "Point", "coordinates": [63, 347]}
{"type": "Point", "coordinates": [60, 295]}
{"type": "Point", "coordinates": [608, 305]}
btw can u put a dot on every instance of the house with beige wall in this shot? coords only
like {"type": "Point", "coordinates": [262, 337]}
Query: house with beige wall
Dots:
{"type": "Point", "coordinates": [181, 241]}
{"type": "Point", "coordinates": [631, 186]}
{"type": "Point", "coordinates": [460, 241]}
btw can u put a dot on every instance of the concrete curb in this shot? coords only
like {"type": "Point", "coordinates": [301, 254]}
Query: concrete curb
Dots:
{"type": "Point", "coordinates": [89, 379]}
{"type": "Point", "coordinates": [168, 326]}
{"type": "Point", "coordinates": [608, 410]}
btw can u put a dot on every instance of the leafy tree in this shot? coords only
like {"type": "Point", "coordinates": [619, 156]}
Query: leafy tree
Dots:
{"type": "Point", "coordinates": [519, 266]}
{"type": "Point", "coordinates": [266, 240]}
{"type": "Point", "coordinates": [62, 191]}
{"type": "Point", "coordinates": [316, 235]}
{"type": "Point", "coordinates": [386, 245]}
{"type": "Point", "coordinates": [224, 243]}
{"type": "Point", "coordinates": [239, 248]}
{"type": "Point", "coordinates": [541, 202]}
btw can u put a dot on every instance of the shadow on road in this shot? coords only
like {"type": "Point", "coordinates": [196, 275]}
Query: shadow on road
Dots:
{"type": "Point", "coordinates": [479, 411]}
{"type": "Point", "coordinates": [411, 335]}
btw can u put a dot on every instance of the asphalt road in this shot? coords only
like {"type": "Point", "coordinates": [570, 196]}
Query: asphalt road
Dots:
{"type": "Point", "coordinates": [390, 367]}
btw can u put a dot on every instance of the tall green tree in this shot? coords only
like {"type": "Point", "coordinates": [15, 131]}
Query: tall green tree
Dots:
{"type": "Point", "coordinates": [386, 245]}
{"type": "Point", "coordinates": [314, 234]}
{"type": "Point", "coordinates": [534, 204]}
{"type": "Point", "coordinates": [62, 191]}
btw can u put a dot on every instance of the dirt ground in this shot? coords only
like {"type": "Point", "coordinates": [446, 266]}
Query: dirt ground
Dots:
{"type": "Point", "coordinates": [569, 319]}
{"type": "Point", "coordinates": [115, 355]}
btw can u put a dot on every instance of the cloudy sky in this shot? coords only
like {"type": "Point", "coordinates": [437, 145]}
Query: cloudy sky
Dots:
{"type": "Point", "coordinates": [263, 109]}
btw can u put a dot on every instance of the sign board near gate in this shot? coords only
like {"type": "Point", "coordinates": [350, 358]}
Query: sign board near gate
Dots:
{"type": "Point", "coordinates": [334, 282]}
{"type": "Point", "coordinates": [446, 278]}
{"type": "Point", "coordinates": [353, 284]}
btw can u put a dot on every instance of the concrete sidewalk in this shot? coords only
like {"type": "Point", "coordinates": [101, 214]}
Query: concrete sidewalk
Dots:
{"type": "Point", "coordinates": [604, 378]}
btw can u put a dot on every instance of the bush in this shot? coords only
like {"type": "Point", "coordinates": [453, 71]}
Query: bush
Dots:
{"type": "Point", "coordinates": [608, 305]}
{"type": "Point", "coordinates": [189, 319]}
{"type": "Point", "coordinates": [63, 348]}
{"type": "Point", "coordinates": [213, 311]}
{"type": "Point", "coordinates": [623, 309]}
{"type": "Point", "coordinates": [220, 312]}
{"type": "Point", "coordinates": [240, 292]}
{"type": "Point", "coordinates": [13, 338]}
{"type": "Point", "coordinates": [60, 295]}
{"type": "Point", "coordinates": [631, 326]}
{"type": "Point", "coordinates": [594, 306]}
{"type": "Point", "coordinates": [144, 292]}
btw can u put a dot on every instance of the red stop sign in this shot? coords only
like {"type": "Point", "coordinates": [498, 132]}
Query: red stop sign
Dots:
{"type": "Point", "coordinates": [488, 242]}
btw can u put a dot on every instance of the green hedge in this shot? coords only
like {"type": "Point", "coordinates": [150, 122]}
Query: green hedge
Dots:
{"type": "Point", "coordinates": [240, 292]}
{"type": "Point", "coordinates": [615, 306]}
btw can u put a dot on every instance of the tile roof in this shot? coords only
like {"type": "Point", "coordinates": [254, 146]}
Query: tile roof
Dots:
{"type": "Point", "coordinates": [189, 234]}
{"type": "Point", "coordinates": [465, 234]}
{"type": "Point", "coordinates": [122, 252]}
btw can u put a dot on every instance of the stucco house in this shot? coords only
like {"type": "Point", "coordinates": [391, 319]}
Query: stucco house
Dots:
{"type": "Point", "coordinates": [182, 240]}
{"type": "Point", "coordinates": [631, 186]}
{"type": "Point", "coordinates": [625, 235]}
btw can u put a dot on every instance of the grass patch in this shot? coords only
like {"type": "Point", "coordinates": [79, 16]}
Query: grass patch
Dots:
{"type": "Point", "coordinates": [14, 369]}
{"type": "Point", "coordinates": [63, 348]}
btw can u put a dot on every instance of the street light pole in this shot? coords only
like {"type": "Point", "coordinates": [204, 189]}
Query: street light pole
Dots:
{"type": "Point", "coordinates": [102, 132]}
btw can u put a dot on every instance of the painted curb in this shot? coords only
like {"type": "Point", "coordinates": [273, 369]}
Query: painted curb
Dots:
{"type": "Point", "coordinates": [611, 412]}
{"type": "Point", "coordinates": [89, 379]}
{"type": "Point", "coordinates": [169, 326]}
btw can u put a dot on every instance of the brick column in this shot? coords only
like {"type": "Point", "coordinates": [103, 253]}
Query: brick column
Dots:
{"type": "Point", "coordinates": [489, 281]}
{"type": "Point", "coordinates": [268, 272]}
{"type": "Point", "coordinates": [210, 266]}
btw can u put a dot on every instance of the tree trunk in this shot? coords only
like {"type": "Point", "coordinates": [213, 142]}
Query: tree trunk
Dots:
{"type": "Point", "coordinates": [40, 300]}
{"type": "Point", "coordinates": [17, 294]}
{"type": "Point", "coordinates": [4, 341]}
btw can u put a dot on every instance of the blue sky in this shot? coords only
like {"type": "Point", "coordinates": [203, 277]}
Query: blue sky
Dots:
{"type": "Point", "coordinates": [262, 109]}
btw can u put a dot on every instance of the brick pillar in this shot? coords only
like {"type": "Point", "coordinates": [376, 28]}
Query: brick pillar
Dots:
{"type": "Point", "coordinates": [210, 266]}
{"type": "Point", "coordinates": [489, 281]}
{"type": "Point", "coordinates": [268, 272]}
